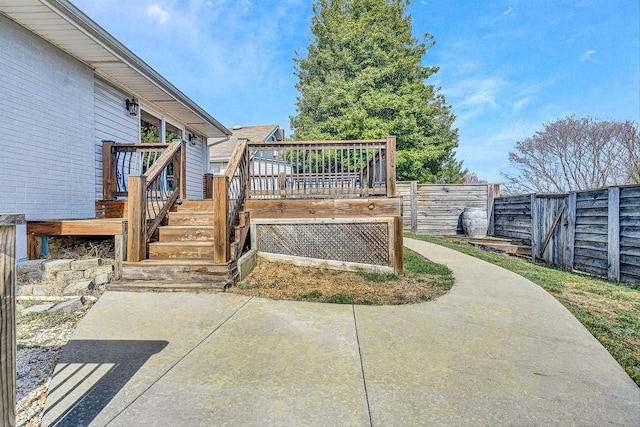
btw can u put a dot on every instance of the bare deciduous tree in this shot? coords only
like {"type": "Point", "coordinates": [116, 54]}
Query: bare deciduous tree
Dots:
{"type": "Point", "coordinates": [576, 154]}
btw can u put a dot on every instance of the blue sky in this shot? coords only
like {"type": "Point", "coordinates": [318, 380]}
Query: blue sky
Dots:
{"type": "Point", "coordinates": [506, 67]}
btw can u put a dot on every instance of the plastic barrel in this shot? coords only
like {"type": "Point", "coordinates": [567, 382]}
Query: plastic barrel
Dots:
{"type": "Point", "coordinates": [474, 222]}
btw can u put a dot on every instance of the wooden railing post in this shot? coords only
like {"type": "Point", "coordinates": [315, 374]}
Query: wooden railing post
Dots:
{"type": "Point", "coordinates": [390, 158]}
{"type": "Point", "coordinates": [8, 318]}
{"type": "Point", "coordinates": [108, 171]}
{"type": "Point", "coordinates": [221, 232]}
{"type": "Point", "coordinates": [137, 219]}
{"type": "Point", "coordinates": [183, 170]}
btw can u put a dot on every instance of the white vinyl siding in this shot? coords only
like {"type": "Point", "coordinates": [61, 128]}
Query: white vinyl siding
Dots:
{"type": "Point", "coordinates": [113, 122]}
{"type": "Point", "coordinates": [47, 122]}
{"type": "Point", "coordinates": [195, 169]}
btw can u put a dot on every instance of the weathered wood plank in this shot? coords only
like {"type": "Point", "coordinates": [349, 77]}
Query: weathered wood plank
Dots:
{"type": "Point", "coordinates": [137, 219]}
{"type": "Point", "coordinates": [592, 254]}
{"type": "Point", "coordinates": [591, 203]}
{"type": "Point", "coordinates": [588, 220]}
{"type": "Point", "coordinates": [11, 219]}
{"type": "Point", "coordinates": [324, 208]}
{"type": "Point", "coordinates": [76, 227]}
{"type": "Point", "coordinates": [571, 232]}
{"type": "Point", "coordinates": [390, 162]}
{"type": "Point", "coordinates": [221, 232]}
{"type": "Point", "coordinates": [413, 194]}
{"type": "Point", "coordinates": [613, 248]}
{"type": "Point", "coordinates": [8, 318]}
{"type": "Point", "coordinates": [630, 192]}
{"type": "Point", "coordinates": [108, 171]}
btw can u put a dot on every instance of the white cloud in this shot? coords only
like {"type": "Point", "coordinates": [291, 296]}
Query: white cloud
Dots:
{"type": "Point", "coordinates": [588, 54]}
{"type": "Point", "coordinates": [521, 103]}
{"type": "Point", "coordinates": [154, 11]}
{"type": "Point", "coordinates": [484, 94]}
{"type": "Point", "coordinates": [506, 12]}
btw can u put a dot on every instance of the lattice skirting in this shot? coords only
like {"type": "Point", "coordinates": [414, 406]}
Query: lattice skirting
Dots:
{"type": "Point", "coordinates": [366, 243]}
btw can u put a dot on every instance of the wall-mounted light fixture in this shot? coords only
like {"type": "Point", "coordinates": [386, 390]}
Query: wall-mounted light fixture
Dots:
{"type": "Point", "coordinates": [132, 106]}
{"type": "Point", "coordinates": [193, 139]}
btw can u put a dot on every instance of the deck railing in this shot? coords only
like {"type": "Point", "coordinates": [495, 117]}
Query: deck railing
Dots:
{"type": "Point", "coordinates": [122, 160]}
{"type": "Point", "coordinates": [152, 194]}
{"type": "Point", "coordinates": [295, 170]}
{"type": "Point", "coordinates": [229, 193]}
{"type": "Point", "coordinates": [322, 169]}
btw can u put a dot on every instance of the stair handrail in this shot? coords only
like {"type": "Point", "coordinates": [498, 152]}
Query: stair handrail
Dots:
{"type": "Point", "coordinates": [229, 195]}
{"type": "Point", "coordinates": [152, 195]}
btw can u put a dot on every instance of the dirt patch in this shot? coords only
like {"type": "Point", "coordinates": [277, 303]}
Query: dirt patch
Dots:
{"type": "Point", "coordinates": [278, 280]}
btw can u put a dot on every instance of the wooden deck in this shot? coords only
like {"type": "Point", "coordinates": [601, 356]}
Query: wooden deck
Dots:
{"type": "Point", "coordinates": [115, 227]}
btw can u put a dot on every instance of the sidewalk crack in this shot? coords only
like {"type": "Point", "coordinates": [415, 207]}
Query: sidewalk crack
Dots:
{"type": "Point", "coordinates": [364, 378]}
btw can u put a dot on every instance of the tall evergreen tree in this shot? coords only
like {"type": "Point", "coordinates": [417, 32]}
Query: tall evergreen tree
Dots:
{"type": "Point", "coordinates": [362, 78]}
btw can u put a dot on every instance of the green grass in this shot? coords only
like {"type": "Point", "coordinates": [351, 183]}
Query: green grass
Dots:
{"type": "Point", "coordinates": [611, 312]}
{"type": "Point", "coordinates": [372, 276]}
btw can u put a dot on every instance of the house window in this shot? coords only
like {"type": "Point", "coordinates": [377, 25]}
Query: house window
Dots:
{"type": "Point", "coordinates": [172, 132]}
{"type": "Point", "coordinates": [155, 129]}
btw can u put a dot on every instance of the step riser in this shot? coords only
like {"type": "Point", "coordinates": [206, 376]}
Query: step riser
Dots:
{"type": "Point", "coordinates": [190, 218]}
{"type": "Point", "coordinates": [186, 233]}
{"type": "Point", "coordinates": [195, 206]}
{"type": "Point", "coordinates": [159, 251]}
{"type": "Point", "coordinates": [203, 274]}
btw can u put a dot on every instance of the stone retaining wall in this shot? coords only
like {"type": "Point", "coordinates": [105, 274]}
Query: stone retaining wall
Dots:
{"type": "Point", "coordinates": [61, 277]}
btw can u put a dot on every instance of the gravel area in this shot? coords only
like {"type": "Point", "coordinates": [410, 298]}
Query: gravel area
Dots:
{"type": "Point", "coordinates": [41, 338]}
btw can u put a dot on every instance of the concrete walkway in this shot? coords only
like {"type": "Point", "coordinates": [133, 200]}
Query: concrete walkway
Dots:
{"type": "Point", "coordinates": [496, 350]}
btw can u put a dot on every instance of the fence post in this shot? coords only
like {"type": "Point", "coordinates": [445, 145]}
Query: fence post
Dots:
{"type": "Point", "coordinates": [137, 219]}
{"type": "Point", "coordinates": [414, 206]}
{"type": "Point", "coordinates": [221, 232]}
{"type": "Point", "coordinates": [391, 166]}
{"type": "Point", "coordinates": [613, 240]}
{"type": "Point", "coordinates": [8, 317]}
{"type": "Point", "coordinates": [571, 231]}
{"type": "Point", "coordinates": [493, 191]}
{"type": "Point", "coordinates": [535, 234]}
{"type": "Point", "coordinates": [398, 246]}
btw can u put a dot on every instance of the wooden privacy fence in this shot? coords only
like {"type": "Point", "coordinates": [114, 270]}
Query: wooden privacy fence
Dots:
{"type": "Point", "coordinates": [8, 317]}
{"type": "Point", "coordinates": [436, 209]}
{"type": "Point", "coordinates": [595, 231]}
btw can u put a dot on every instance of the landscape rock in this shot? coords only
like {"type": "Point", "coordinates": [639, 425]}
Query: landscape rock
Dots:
{"type": "Point", "coordinates": [41, 308]}
{"type": "Point", "coordinates": [57, 265]}
{"type": "Point", "coordinates": [101, 279]}
{"type": "Point", "coordinates": [77, 288]}
{"type": "Point", "coordinates": [70, 305]}
{"type": "Point", "coordinates": [70, 275]}
{"type": "Point", "coordinates": [85, 264]}
{"type": "Point", "coordinates": [41, 276]}
{"type": "Point", "coordinates": [103, 269]}
{"type": "Point", "coordinates": [29, 266]}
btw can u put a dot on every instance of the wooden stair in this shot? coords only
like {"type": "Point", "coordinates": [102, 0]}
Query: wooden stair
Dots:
{"type": "Point", "coordinates": [182, 257]}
